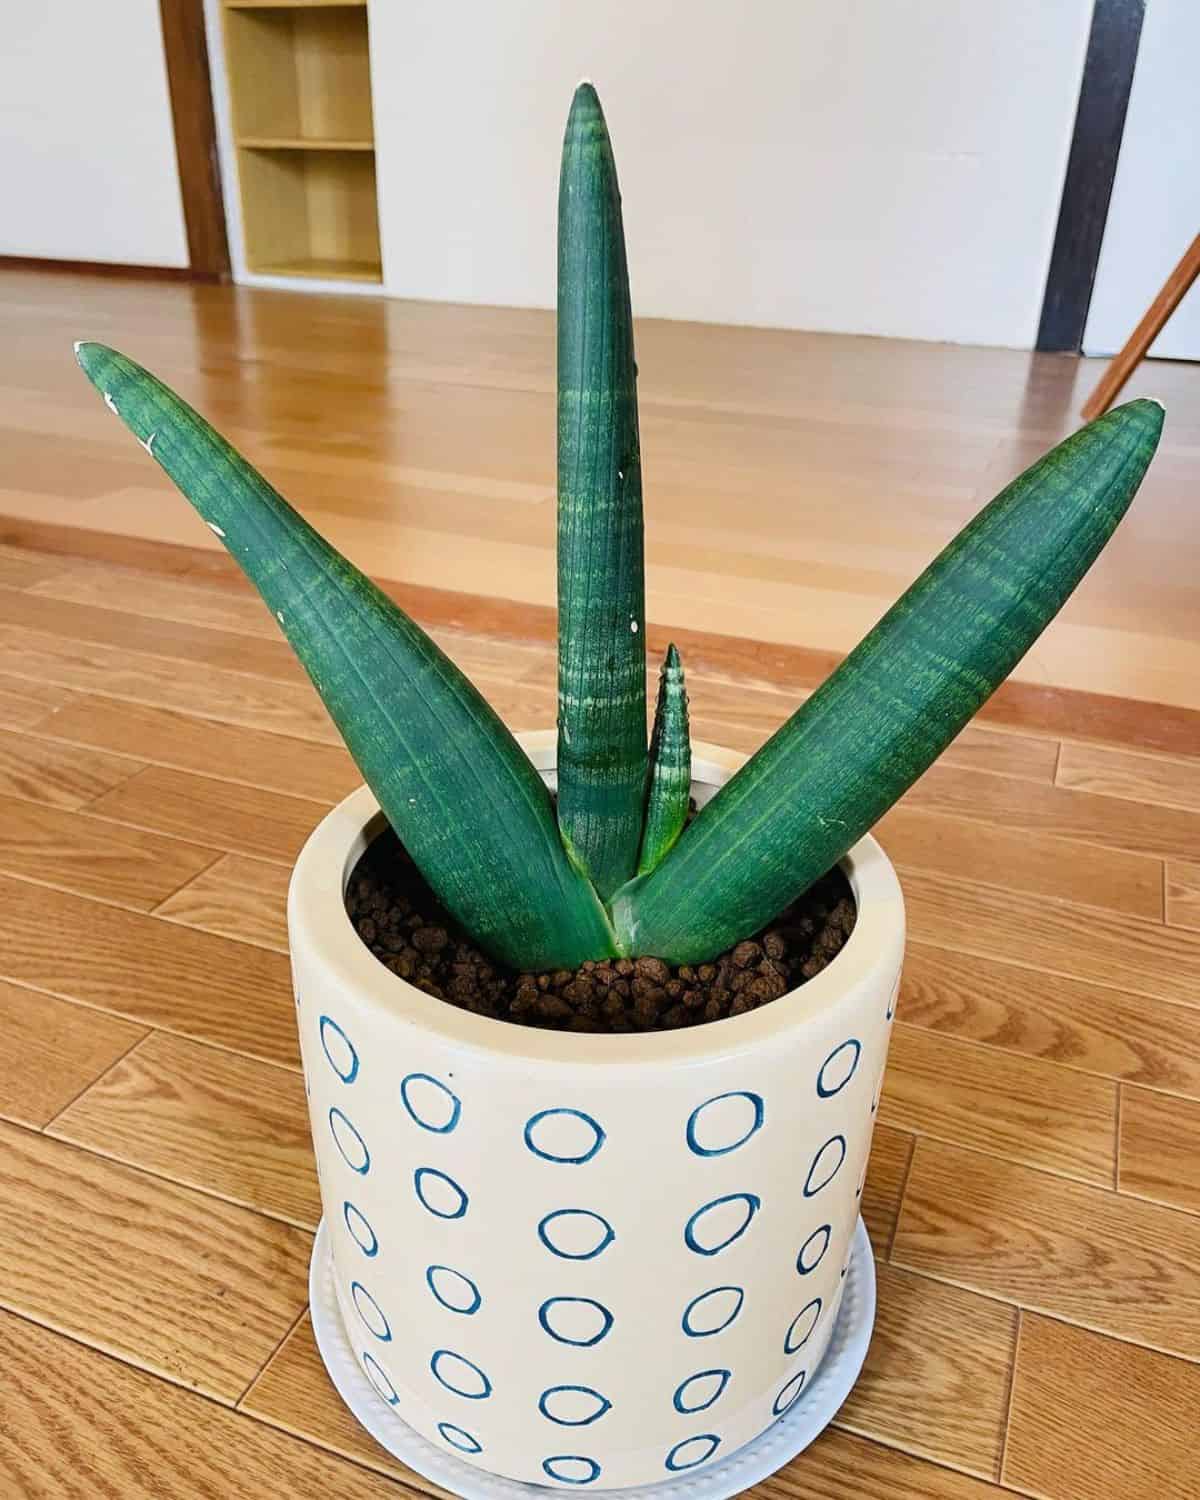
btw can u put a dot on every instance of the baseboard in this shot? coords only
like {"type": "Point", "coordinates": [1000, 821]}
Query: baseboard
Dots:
{"type": "Point", "coordinates": [107, 268]}
{"type": "Point", "coordinates": [1067, 713]}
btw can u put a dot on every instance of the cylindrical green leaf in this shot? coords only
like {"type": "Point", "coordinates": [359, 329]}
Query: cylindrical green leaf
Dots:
{"type": "Point", "coordinates": [601, 590]}
{"type": "Point", "coordinates": [455, 785]}
{"type": "Point", "coordinates": [669, 793]}
{"type": "Point", "coordinates": [896, 701]}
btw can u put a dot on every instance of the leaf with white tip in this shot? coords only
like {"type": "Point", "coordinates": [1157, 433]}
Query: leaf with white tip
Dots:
{"type": "Point", "coordinates": [457, 788]}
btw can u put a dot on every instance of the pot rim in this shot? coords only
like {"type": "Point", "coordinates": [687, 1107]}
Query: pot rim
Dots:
{"type": "Point", "coordinates": [317, 918]}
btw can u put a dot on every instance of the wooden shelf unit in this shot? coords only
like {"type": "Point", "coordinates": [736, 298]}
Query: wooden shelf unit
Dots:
{"type": "Point", "coordinates": [300, 95]}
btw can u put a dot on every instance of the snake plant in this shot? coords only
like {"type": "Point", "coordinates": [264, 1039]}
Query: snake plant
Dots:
{"type": "Point", "coordinates": [613, 867]}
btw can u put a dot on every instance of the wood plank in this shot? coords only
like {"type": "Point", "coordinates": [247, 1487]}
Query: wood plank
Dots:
{"type": "Point", "coordinates": [1108, 772]}
{"type": "Point", "coordinates": [295, 1393]}
{"type": "Point", "coordinates": [94, 857]}
{"type": "Point", "coordinates": [24, 703]}
{"type": "Point", "coordinates": [21, 569]}
{"type": "Point", "coordinates": [1034, 863]}
{"type": "Point", "coordinates": [1161, 962]}
{"type": "Point", "coordinates": [1005, 754]}
{"type": "Point", "coordinates": [52, 1051]}
{"type": "Point", "coordinates": [1059, 811]}
{"type": "Point", "coordinates": [101, 1431]}
{"type": "Point", "coordinates": [61, 775]}
{"type": "Point", "coordinates": [232, 1126]}
{"type": "Point", "coordinates": [225, 814]}
{"type": "Point", "coordinates": [191, 687]}
{"type": "Point", "coordinates": [109, 586]}
{"type": "Point", "coordinates": [1160, 1148]}
{"type": "Point", "coordinates": [151, 971]}
{"type": "Point", "coordinates": [937, 1374]}
{"type": "Point", "coordinates": [167, 737]}
{"type": "Point", "coordinates": [263, 656]}
{"type": "Point", "coordinates": [167, 1279]}
{"type": "Point", "coordinates": [840, 1466]}
{"type": "Point", "coordinates": [1029, 1111]}
{"type": "Point", "coordinates": [1091, 1416]}
{"type": "Point", "coordinates": [891, 1151]}
{"type": "Point", "coordinates": [1084, 1254]}
{"type": "Point", "coordinates": [238, 609]}
{"type": "Point", "coordinates": [1183, 893]}
{"type": "Point", "coordinates": [1099, 1029]}
{"type": "Point", "coordinates": [238, 898]}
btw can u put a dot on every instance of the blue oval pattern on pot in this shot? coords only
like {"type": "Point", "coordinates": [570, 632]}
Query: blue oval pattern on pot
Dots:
{"type": "Point", "coordinates": [699, 1391]}
{"type": "Point", "coordinates": [813, 1249]}
{"type": "Point", "coordinates": [724, 1130]}
{"type": "Point", "coordinates": [459, 1438]}
{"type": "Point", "coordinates": [689, 1452]}
{"type": "Point", "coordinates": [839, 1068]}
{"type": "Point", "coordinates": [428, 1181]}
{"type": "Point", "coordinates": [449, 1368]}
{"type": "Point", "coordinates": [379, 1380]}
{"type": "Point", "coordinates": [430, 1104]}
{"type": "Point", "coordinates": [339, 1050]}
{"type": "Point", "coordinates": [802, 1325]}
{"type": "Point", "coordinates": [825, 1165]}
{"type": "Point", "coordinates": [584, 1135]}
{"type": "Point", "coordinates": [350, 1144]}
{"type": "Point", "coordinates": [456, 1292]}
{"type": "Point", "coordinates": [712, 1311]}
{"type": "Point", "coordinates": [585, 1404]}
{"type": "Point", "coordinates": [591, 1326]}
{"type": "Point", "coordinates": [557, 1229]}
{"type": "Point", "coordinates": [572, 1468]}
{"type": "Point", "coordinates": [789, 1394]}
{"type": "Point", "coordinates": [360, 1230]}
{"type": "Point", "coordinates": [695, 1227]}
{"type": "Point", "coordinates": [370, 1312]}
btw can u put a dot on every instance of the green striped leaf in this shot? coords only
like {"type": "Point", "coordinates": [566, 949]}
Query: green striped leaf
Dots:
{"type": "Point", "coordinates": [896, 701]}
{"type": "Point", "coordinates": [453, 782]}
{"type": "Point", "coordinates": [601, 589]}
{"type": "Point", "coordinates": [670, 788]}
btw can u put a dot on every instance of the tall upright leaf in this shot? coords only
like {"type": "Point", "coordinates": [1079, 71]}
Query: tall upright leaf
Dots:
{"type": "Point", "coordinates": [670, 782]}
{"type": "Point", "coordinates": [896, 701]}
{"type": "Point", "coordinates": [455, 785]}
{"type": "Point", "coordinates": [601, 590]}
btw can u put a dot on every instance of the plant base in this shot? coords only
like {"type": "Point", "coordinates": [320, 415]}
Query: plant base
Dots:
{"type": "Point", "coordinates": [781, 1442]}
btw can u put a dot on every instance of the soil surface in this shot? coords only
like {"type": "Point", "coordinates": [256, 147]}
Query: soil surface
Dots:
{"type": "Point", "coordinates": [405, 926]}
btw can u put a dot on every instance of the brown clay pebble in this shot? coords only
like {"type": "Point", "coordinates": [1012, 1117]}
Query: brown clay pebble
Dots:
{"type": "Point", "coordinates": [400, 920]}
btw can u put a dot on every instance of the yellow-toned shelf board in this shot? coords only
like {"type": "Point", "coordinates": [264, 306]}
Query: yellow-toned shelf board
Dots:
{"type": "Point", "coordinates": [295, 4]}
{"type": "Point", "coordinates": [302, 143]}
{"type": "Point", "coordinates": [324, 270]}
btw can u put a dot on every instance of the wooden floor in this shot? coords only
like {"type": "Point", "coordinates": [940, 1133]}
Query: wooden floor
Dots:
{"type": "Point", "coordinates": [795, 483]}
{"type": "Point", "coordinates": [1034, 1190]}
{"type": "Point", "coordinates": [1034, 1193]}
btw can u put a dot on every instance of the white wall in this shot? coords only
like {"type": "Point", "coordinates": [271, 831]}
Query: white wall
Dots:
{"type": "Point", "coordinates": [1155, 210]}
{"type": "Point", "coordinates": [875, 166]}
{"type": "Point", "coordinates": [87, 149]}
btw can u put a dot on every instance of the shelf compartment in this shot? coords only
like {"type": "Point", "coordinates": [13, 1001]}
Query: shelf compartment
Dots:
{"type": "Point", "coordinates": [310, 213]}
{"type": "Point", "coordinates": [299, 73]}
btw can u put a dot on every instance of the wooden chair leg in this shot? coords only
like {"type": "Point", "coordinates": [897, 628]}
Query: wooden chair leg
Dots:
{"type": "Point", "coordinates": [1122, 366]}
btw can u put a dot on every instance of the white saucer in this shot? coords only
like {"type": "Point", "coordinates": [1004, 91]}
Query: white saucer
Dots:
{"type": "Point", "coordinates": [791, 1434]}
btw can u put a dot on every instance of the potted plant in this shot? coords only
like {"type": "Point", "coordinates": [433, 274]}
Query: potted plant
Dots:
{"type": "Point", "coordinates": [592, 1070]}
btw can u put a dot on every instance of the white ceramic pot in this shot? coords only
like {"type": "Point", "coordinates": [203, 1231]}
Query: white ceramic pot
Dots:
{"type": "Point", "coordinates": [587, 1259]}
